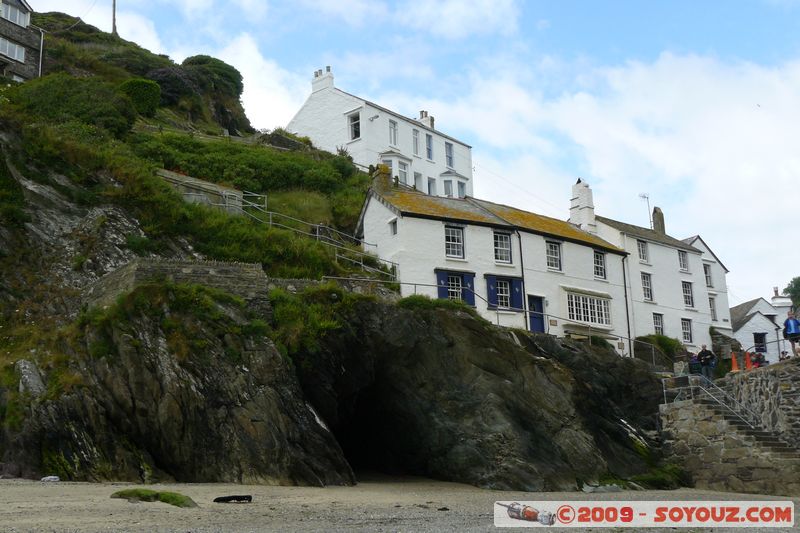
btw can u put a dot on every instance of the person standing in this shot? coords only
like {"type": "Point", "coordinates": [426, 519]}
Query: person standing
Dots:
{"type": "Point", "coordinates": [791, 330]}
{"type": "Point", "coordinates": [707, 362]}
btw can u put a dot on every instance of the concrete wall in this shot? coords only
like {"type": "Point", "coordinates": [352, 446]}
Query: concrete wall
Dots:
{"type": "Point", "coordinates": [721, 458]}
{"type": "Point", "coordinates": [30, 39]}
{"type": "Point", "coordinates": [324, 119]}
{"type": "Point", "coordinates": [772, 392]}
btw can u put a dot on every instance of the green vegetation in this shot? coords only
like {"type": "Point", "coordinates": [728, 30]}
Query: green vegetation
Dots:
{"type": "Point", "coordinates": [12, 200]}
{"type": "Point", "coordinates": [669, 346]}
{"type": "Point", "coordinates": [147, 495]}
{"type": "Point", "coordinates": [664, 477]}
{"type": "Point", "coordinates": [793, 291]}
{"type": "Point", "coordinates": [419, 302]}
{"type": "Point", "coordinates": [145, 95]}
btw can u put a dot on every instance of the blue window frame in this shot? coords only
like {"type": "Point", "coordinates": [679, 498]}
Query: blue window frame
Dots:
{"type": "Point", "coordinates": [515, 286]}
{"type": "Point", "coordinates": [450, 282]}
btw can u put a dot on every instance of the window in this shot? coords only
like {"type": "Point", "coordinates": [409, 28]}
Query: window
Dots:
{"type": "Point", "coordinates": [448, 188]}
{"type": "Point", "coordinates": [760, 342]}
{"type": "Point", "coordinates": [683, 260]}
{"type": "Point", "coordinates": [503, 293]}
{"type": "Point", "coordinates": [589, 309]}
{"type": "Point", "coordinates": [455, 287]}
{"type": "Point", "coordinates": [658, 324]}
{"type": "Point", "coordinates": [599, 265]}
{"type": "Point", "coordinates": [642, 247]}
{"type": "Point", "coordinates": [686, 330]}
{"type": "Point", "coordinates": [688, 294]}
{"type": "Point", "coordinates": [403, 172]}
{"type": "Point", "coordinates": [415, 138]}
{"type": "Point", "coordinates": [418, 181]}
{"type": "Point", "coordinates": [429, 146]}
{"type": "Point", "coordinates": [454, 241]}
{"type": "Point", "coordinates": [709, 279]}
{"type": "Point", "coordinates": [12, 50]}
{"type": "Point", "coordinates": [388, 163]}
{"type": "Point", "coordinates": [355, 126]}
{"type": "Point", "coordinates": [432, 186]}
{"type": "Point", "coordinates": [712, 305]}
{"type": "Point", "coordinates": [462, 189]}
{"type": "Point", "coordinates": [502, 247]}
{"type": "Point", "coordinates": [448, 154]}
{"type": "Point", "coordinates": [554, 256]}
{"type": "Point", "coordinates": [647, 287]}
{"type": "Point", "coordinates": [15, 15]}
{"type": "Point", "coordinates": [393, 133]}
{"type": "Point", "coordinates": [393, 227]}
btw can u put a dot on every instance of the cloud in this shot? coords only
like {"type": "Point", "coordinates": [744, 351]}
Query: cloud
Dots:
{"type": "Point", "coordinates": [254, 10]}
{"type": "Point", "coordinates": [271, 95]}
{"type": "Point", "coordinates": [353, 12]}
{"type": "Point", "coordinates": [456, 19]}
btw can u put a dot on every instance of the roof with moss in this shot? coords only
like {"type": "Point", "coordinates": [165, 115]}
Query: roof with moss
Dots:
{"type": "Point", "coordinates": [410, 202]}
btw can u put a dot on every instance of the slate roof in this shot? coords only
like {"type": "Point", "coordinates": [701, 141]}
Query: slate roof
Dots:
{"type": "Point", "coordinates": [691, 240]}
{"type": "Point", "coordinates": [647, 234]}
{"type": "Point", "coordinates": [740, 314]}
{"type": "Point", "coordinates": [482, 212]}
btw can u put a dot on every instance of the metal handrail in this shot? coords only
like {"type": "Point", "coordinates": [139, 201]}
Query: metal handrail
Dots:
{"type": "Point", "coordinates": [696, 382]}
{"type": "Point", "coordinates": [729, 397]}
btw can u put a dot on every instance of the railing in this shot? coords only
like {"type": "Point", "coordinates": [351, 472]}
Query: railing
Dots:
{"type": "Point", "coordinates": [699, 385]}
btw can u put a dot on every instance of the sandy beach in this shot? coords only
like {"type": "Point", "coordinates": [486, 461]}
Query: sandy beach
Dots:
{"type": "Point", "coordinates": [375, 504]}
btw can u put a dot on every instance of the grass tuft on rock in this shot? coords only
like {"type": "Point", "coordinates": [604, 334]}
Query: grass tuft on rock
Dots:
{"type": "Point", "coordinates": [147, 495]}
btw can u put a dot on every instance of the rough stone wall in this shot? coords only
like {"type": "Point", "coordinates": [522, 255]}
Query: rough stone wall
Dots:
{"type": "Point", "coordinates": [241, 279]}
{"type": "Point", "coordinates": [719, 457]}
{"type": "Point", "coordinates": [30, 39]}
{"type": "Point", "coordinates": [773, 393]}
{"type": "Point", "coordinates": [204, 192]}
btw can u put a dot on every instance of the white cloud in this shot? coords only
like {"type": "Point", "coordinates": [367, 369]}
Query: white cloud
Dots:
{"type": "Point", "coordinates": [139, 29]}
{"type": "Point", "coordinates": [353, 12]}
{"type": "Point", "coordinates": [254, 10]}
{"type": "Point", "coordinates": [456, 19]}
{"type": "Point", "coordinates": [272, 95]}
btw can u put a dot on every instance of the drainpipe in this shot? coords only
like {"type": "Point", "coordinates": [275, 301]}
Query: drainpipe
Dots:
{"type": "Point", "coordinates": [625, 290]}
{"type": "Point", "coordinates": [524, 292]}
{"type": "Point", "coordinates": [41, 48]}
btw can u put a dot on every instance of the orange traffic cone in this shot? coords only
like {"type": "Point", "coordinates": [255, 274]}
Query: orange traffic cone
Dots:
{"type": "Point", "coordinates": [748, 364]}
{"type": "Point", "coordinates": [734, 362]}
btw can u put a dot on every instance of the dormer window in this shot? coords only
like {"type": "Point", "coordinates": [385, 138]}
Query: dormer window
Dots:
{"type": "Point", "coordinates": [15, 15]}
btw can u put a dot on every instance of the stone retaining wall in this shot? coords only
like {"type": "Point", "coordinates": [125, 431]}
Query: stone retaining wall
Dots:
{"type": "Point", "coordinates": [772, 392]}
{"type": "Point", "coordinates": [719, 457]}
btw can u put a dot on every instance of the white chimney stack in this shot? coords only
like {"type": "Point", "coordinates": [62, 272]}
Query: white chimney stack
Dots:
{"type": "Point", "coordinates": [581, 209]}
{"type": "Point", "coordinates": [426, 119]}
{"type": "Point", "coordinates": [323, 79]}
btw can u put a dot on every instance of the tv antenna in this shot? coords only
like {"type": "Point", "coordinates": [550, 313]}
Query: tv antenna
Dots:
{"type": "Point", "coordinates": [646, 197]}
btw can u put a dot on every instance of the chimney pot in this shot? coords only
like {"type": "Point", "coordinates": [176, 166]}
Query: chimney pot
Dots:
{"type": "Point", "coordinates": [658, 221]}
{"type": "Point", "coordinates": [776, 291]}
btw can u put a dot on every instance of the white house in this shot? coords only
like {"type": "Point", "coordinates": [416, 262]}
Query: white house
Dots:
{"type": "Point", "coordinates": [758, 324]}
{"type": "Point", "coordinates": [675, 288]}
{"type": "Point", "coordinates": [417, 154]}
{"type": "Point", "coordinates": [517, 268]}
{"type": "Point", "coordinates": [20, 43]}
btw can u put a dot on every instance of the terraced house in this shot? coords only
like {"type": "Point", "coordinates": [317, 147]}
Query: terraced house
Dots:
{"type": "Point", "coordinates": [20, 44]}
{"type": "Point", "coordinates": [417, 154]}
{"type": "Point", "coordinates": [517, 268]}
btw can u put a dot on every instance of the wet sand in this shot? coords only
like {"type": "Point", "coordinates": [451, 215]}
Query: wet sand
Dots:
{"type": "Point", "coordinates": [375, 504]}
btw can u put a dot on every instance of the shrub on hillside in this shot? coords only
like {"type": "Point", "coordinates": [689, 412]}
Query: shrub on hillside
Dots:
{"type": "Point", "coordinates": [145, 95]}
{"type": "Point", "coordinates": [220, 76]}
{"type": "Point", "coordinates": [60, 98]}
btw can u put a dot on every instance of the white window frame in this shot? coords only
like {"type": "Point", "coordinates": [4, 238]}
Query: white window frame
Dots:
{"type": "Point", "coordinates": [683, 260]}
{"type": "Point", "coordinates": [415, 141]}
{"type": "Point", "coordinates": [354, 126]}
{"type": "Point", "coordinates": [688, 293]}
{"type": "Point", "coordinates": [658, 323]}
{"type": "Point", "coordinates": [429, 146]}
{"type": "Point", "coordinates": [389, 163]}
{"type": "Point", "coordinates": [448, 188]}
{"type": "Point", "coordinates": [502, 248]}
{"type": "Point", "coordinates": [588, 309]}
{"type": "Point", "coordinates": [462, 189]}
{"type": "Point", "coordinates": [647, 286]}
{"type": "Point", "coordinates": [14, 14]}
{"type": "Point", "coordinates": [418, 181]}
{"type": "Point", "coordinates": [432, 186]}
{"type": "Point", "coordinates": [709, 277]}
{"type": "Point", "coordinates": [599, 265]}
{"type": "Point", "coordinates": [686, 331]}
{"type": "Point", "coordinates": [553, 256]}
{"type": "Point", "coordinates": [712, 305]}
{"type": "Point", "coordinates": [455, 287]}
{"type": "Point", "coordinates": [641, 247]}
{"type": "Point", "coordinates": [454, 242]}
{"type": "Point", "coordinates": [759, 346]}
{"type": "Point", "coordinates": [503, 291]}
{"type": "Point", "coordinates": [393, 132]}
{"type": "Point", "coordinates": [13, 50]}
{"type": "Point", "coordinates": [402, 172]}
{"type": "Point", "coordinates": [448, 155]}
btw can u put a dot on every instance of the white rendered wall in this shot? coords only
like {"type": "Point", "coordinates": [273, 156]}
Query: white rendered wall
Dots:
{"type": "Point", "coordinates": [324, 119]}
{"type": "Point", "coordinates": [761, 324]}
{"type": "Point", "coordinates": [719, 290]}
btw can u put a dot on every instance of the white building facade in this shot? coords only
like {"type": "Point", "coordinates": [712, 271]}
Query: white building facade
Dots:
{"type": "Point", "coordinates": [758, 325]}
{"type": "Point", "coordinates": [517, 269]}
{"type": "Point", "coordinates": [674, 288]}
{"type": "Point", "coordinates": [417, 154]}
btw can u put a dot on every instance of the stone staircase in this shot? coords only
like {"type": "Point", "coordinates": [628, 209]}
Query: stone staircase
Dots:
{"type": "Point", "coordinates": [723, 450]}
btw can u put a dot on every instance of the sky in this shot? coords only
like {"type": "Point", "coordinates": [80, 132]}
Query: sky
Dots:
{"type": "Point", "coordinates": [696, 104]}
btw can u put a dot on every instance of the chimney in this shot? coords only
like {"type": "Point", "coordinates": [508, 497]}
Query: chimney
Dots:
{"type": "Point", "coordinates": [426, 119]}
{"type": "Point", "coordinates": [322, 79]}
{"type": "Point", "coordinates": [581, 209]}
{"type": "Point", "coordinates": [658, 221]}
{"type": "Point", "coordinates": [775, 289]}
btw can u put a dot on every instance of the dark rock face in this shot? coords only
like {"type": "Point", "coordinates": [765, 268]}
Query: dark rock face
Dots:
{"type": "Point", "coordinates": [448, 396]}
{"type": "Point", "coordinates": [228, 411]}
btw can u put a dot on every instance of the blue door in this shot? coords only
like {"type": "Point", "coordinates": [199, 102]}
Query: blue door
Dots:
{"type": "Point", "coordinates": [536, 313]}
